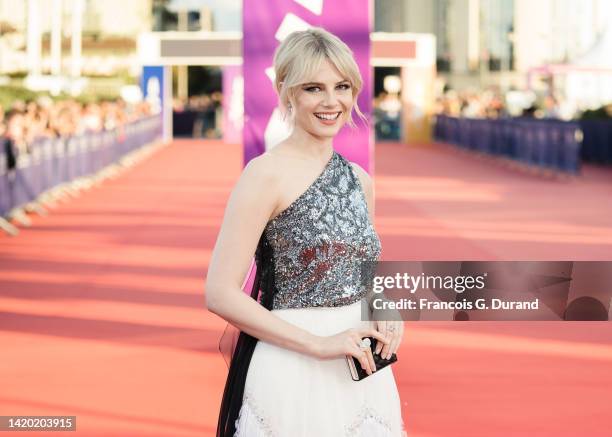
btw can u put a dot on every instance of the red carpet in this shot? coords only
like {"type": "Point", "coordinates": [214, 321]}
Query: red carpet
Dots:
{"type": "Point", "coordinates": [102, 308]}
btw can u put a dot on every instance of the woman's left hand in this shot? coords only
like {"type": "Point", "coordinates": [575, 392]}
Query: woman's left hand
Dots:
{"type": "Point", "coordinates": [394, 331]}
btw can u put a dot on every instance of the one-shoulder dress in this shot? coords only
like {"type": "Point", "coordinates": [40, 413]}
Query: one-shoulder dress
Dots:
{"type": "Point", "coordinates": [308, 273]}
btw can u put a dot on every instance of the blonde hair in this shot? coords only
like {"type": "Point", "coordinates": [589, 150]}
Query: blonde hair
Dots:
{"type": "Point", "coordinates": [299, 57]}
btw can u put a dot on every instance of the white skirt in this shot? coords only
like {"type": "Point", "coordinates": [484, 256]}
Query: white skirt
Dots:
{"type": "Point", "coordinates": [289, 394]}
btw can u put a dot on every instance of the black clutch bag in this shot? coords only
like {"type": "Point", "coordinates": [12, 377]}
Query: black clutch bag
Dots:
{"type": "Point", "coordinates": [358, 373]}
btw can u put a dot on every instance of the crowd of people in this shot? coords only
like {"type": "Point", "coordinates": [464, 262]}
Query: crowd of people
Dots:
{"type": "Point", "coordinates": [387, 116]}
{"type": "Point", "coordinates": [199, 116]}
{"type": "Point", "coordinates": [491, 103]}
{"type": "Point", "coordinates": [24, 122]}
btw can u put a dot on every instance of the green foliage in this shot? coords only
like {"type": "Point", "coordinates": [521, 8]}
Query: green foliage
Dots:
{"type": "Point", "coordinates": [597, 114]}
{"type": "Point", "coordinates": [9, 94]}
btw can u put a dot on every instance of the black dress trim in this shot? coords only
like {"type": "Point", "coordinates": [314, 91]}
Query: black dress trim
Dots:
{"type": "Point", "coordinates": [262, 291]}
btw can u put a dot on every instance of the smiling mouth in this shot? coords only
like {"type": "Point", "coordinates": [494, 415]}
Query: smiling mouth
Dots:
{"type": "Point", "coordinates": [325, 116]}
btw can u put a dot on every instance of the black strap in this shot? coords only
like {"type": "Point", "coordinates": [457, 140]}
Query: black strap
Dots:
{"type": "Point", "coordinates": [263, 289]}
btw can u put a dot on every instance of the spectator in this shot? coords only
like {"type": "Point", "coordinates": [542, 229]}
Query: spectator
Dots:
{"type": "Point", "coordinates": [27, 121]}
{"type": "Point", "coordinates": [199, 116]}
{"type": "Point", "coordinates": [13, 138]}
{"type": "Point", "coordinates": [2, 128]}
{"type": "Point", "coordinates": [490, 103]}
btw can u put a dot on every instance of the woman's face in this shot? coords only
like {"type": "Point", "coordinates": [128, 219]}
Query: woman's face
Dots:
{"type": "Point", "coordinates": [15, 128]}
{"type": "Point", "coordinates": [323, 105]}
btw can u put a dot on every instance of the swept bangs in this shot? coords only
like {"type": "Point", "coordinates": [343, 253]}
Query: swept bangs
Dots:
{"type": "Point", "coordinates": [298, 58]}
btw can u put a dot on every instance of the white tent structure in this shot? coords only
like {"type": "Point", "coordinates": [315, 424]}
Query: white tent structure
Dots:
{"type": "Point", "coordinates": [588, 81]}
{"type": "Point", "coordinates": [584, 78]}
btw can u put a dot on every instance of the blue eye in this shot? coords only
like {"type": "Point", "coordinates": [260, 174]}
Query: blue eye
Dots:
{"type": "Point", "coordinates": [344, 86]}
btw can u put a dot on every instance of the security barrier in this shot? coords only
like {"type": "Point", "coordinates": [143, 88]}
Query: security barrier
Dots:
{"type": "Point", "coordinates": [548, 144]}
{"type": "Point", "coordinates": [61, 162]}
{"type": "Point", "coordinates": [597, 143]}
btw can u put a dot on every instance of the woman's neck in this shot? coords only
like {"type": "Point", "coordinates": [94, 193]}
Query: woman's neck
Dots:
{"type": "Point", "coordinates": [311, 146]}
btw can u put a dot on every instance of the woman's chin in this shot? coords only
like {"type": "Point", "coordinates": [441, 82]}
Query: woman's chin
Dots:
{"type": "Point", "coordinates": [325, 133]}
{"type": "Point", "coordinates": [328, 131]}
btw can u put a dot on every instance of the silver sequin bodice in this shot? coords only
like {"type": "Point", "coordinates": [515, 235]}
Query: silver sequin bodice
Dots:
{"type": "Point", "coordinates": [319, 241]}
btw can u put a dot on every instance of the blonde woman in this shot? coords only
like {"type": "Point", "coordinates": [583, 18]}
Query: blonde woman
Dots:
{"type": "Point", "coordinates": [307, 214]}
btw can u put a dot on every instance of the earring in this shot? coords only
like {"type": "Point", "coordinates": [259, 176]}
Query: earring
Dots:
{"type": "Point", "coordinates": [289, 107]}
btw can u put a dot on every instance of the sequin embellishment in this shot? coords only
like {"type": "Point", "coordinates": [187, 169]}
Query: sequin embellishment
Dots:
{"type": "Point", "coordinates": [319, 241]}
{"type": "Point", "coordinates": [369, 423]}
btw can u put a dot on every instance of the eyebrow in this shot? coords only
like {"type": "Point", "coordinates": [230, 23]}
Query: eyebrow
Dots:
{"type": "Point", "coordinates": [320, 83]}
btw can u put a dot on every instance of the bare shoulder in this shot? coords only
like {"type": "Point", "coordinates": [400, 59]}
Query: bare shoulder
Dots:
{"type": "Point", "coordinates": [367, 187]}
{"type": "Point", "coordinates": [257, 185]}
{"type": "Point", "coordinates": [261, 167]}
{"type": "Point", "coordinates": [364, 177]}
{"type": "Point", "coordinates": [262, 170]}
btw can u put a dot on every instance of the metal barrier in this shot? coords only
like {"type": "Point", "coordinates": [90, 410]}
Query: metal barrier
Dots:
{"type": "Point", "coordinates": [597, 143]}
{"type": "Point", "coordinates": [65, 162]}
{"type": "Point", "coordinates": [549, 144]}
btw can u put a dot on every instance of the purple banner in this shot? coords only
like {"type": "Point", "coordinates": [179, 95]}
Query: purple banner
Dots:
{"type": "Point", "coordinates": [265, 25]}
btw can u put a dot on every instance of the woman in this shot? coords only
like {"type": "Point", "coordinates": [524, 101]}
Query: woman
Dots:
{"type": "Point", "coordinates": [302, 209]}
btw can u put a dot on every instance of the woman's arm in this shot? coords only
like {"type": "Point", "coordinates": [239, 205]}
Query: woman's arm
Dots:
{"type": "Point", "coordinates": [368, 191]}
{"type": "Point", "coordinates": [248, 210]}
{"type": "Point", "coordinates": [368, 188]}
{"type": "Point", "coordinates": [392, 329]}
